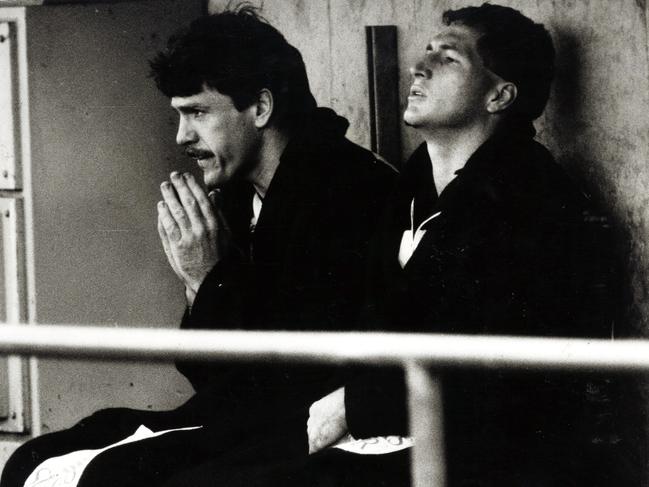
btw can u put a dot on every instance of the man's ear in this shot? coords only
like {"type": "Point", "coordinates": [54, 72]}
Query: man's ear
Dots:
{"type": "Point", "coordinates": [263, 108]}
{"type": "Point", "coordinates": [501, 97]}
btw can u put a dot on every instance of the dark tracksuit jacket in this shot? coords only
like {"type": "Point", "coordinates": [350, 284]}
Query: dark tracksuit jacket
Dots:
{"type": "Point", "coordinates": [515, 250]}
{"type": "Point", "coordinates": [303, 268]}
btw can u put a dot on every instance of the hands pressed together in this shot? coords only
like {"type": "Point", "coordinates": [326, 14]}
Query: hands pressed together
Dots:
{"type": "Point", "coordinates": [194, 233]}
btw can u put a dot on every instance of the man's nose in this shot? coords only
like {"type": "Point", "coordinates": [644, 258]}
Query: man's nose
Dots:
{"type": "Point", "coordinates": [422, 69]}
{"type": "Point", "coordinates": [186, 134]}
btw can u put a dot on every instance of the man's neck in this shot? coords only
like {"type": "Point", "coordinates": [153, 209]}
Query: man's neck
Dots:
{"type": "Point", "coordinates": [449, 151]}
{"type": "Point", "coordinates": [271, 150]}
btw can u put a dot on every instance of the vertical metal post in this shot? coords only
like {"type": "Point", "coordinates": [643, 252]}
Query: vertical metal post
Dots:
{"type": "Point", "coordinates": [426, 426]}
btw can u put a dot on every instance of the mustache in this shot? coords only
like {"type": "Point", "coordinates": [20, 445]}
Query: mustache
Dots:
{"type": "Point", "coordinates": [198, 153]}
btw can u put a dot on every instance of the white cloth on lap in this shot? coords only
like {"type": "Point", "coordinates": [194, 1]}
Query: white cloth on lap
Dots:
{"type": "Point", "coordinates": [379, 445]}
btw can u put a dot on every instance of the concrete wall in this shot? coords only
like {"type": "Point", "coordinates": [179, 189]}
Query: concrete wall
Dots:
{"type": "Point", "coordinates": [597, 122]}
{"type": "Point", "coordinates": [103, 140]}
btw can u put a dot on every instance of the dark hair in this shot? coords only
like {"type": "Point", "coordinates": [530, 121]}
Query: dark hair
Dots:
{"type": "Point", "coordinates": [237, 53]}
{"type": "Point", "coordinates": [516, 49]}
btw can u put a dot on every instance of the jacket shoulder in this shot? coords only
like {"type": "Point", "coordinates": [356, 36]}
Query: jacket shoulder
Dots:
{"type": "Point", "coordinates": [350, 164]}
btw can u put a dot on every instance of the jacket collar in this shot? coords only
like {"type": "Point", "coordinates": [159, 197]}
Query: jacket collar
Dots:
{"type": "Point", "coordinates": [492, 156]}
{"type": "Point", "coordinates": [316, 133]}
{"type": "Point", "coordinates": [488, 165]}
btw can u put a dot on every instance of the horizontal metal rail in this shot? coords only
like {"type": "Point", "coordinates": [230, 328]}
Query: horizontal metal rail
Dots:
{"type": "Point", "coordinates": [417, 353]}
{"type": "Point", "coordinates": [385, 348]}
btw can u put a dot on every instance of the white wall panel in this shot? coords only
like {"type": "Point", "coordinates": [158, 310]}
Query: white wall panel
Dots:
{"type": "Point", "coordinates": [8, 125]}
{"type": "Point", "coordinates": [12, 305]}
{"type": "Point", "coordinates": [14, 154]}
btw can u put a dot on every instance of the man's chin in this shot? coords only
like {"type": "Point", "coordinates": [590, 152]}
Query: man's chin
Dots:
{"type": "Point", "coordinates": [410, 122]}
{"type": "Point", "coordinates": [213, 182]}
{"type": "Point", "coordinates": [410, 119]}
{"type": "Point", "coordinates": [210, 186]}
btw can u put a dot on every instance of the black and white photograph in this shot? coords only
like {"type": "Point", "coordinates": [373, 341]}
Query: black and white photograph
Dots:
{"type": "Point", "coordinates": [324, 243]}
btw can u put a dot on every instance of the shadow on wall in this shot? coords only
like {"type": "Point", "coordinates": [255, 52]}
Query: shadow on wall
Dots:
{"type": "Point", "coordinates": [568, 123]}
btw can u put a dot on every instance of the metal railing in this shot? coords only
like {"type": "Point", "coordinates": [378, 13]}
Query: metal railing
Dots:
{"type": "Point", "coordinates": [415, 352]}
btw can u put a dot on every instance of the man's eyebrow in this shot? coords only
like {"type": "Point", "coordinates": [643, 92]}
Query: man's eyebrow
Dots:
{"type": "Point", "coordinates": [190, 107]}
{"type": "Point", "coordinates": [446, 46]}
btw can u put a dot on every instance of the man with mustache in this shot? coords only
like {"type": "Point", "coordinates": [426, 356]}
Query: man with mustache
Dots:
{"type": "Point", "coordinates": [486, 235]}
{"type": "Point", "coordinates": [277, 244]}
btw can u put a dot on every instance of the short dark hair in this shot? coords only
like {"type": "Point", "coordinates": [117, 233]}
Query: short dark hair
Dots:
{"type": "Point", "coordinates": [515, 48]}
{"type": "Point", "coordinates": [238, 53]}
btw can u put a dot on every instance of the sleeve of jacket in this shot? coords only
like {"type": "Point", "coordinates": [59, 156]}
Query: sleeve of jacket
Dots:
{"type": "Point", "coordinates": [219, 304]}
{"type": "Point", "coordinates": [375, 398]}
{"type": "Point", "coordinates": [375, 404]}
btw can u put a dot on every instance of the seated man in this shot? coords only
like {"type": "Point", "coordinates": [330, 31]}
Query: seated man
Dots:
{"type": "Point", "coordinates": [486, 235]}
{"type": "Point", "coordinates": [279, 243]}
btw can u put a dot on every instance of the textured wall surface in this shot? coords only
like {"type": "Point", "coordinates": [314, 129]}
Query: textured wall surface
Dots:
{"type": "Point", "coordinates": [103, 139]}
{"type": "Point", "coordinates": [597, 122]}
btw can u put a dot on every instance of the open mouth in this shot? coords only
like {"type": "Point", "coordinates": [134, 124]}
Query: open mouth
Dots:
{"type": "Point", "coordinates": [416, 91]}
{"type": "Point", "coordinates": [198, 155]}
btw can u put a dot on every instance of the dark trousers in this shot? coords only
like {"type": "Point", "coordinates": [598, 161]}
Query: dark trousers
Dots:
{"type": "Point", "coordinates": [275, 456]}
{"type": "Point", "coordinates": [269, 454]}
{"type": "Point", "coordinates": [140, 463]}
{"type": "Point", "coordinates": [259, 467]}
{"type": "Point", "coordinates": [221, 445]}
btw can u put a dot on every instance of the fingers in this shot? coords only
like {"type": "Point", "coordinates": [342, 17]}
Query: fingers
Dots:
{"type": "Point", "coordinates": [314, 428]}
{"type": "Point", "coordinates": [165, 245]}
{"type": "Point", "coordinates": [188, 204]}
{"type": "Point", "coordinates": [168, 222]}
{"type": "Point", "coordinates": [205, 203]}
{"type": "Point", "coordinates": [313, 443]}
{"type": "Point", "coordinates": [174, 208]}
{"type": "Point", "coordinates": [326, 423]}
{"type": "Point", "coordinates": [162, 232]}
{"type": "Point", "coordinates": [187, 198]}
{"type": "Point", "coordinates": [163, 237]}
{"type": "Point", "coordinates": [318, 437]}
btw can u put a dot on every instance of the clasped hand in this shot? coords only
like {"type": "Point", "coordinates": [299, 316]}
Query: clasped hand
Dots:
{"type": "Point", "coordinates": [193, 232]}
{"type": "Point", "coordinates": [327, 422]}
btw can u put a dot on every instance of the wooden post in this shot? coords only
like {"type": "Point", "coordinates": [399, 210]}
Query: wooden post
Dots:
{"type": "Point", "coordinates": [383, 73]}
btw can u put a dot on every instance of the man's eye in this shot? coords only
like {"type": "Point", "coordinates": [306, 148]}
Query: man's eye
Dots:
{"type": "Point", "coordinates": [198, 113]}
